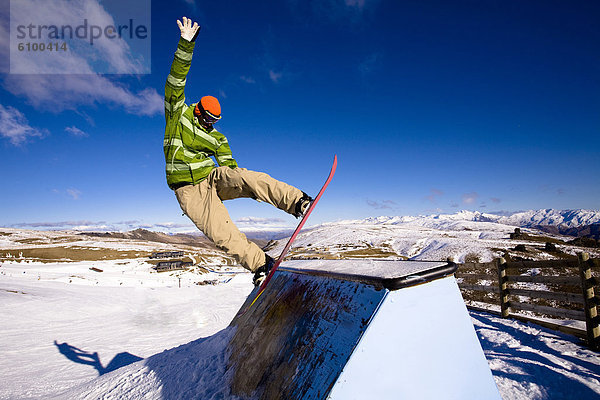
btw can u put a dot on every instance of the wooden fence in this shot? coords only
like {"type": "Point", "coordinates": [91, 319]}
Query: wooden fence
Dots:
{"type": "Point", "coordinates": [564, 289]}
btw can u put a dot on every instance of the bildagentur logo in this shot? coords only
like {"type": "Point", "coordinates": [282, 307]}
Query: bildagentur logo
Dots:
{"type": "Point", "coordinates": [80, 37]}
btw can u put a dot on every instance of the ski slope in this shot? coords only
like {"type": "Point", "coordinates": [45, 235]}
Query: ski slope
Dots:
{"type": "Point", "coordinates": [189, 324]}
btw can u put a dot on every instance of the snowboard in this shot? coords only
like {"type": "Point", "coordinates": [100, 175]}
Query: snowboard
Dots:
{"type": "Point", "coordinates": [265, 282]}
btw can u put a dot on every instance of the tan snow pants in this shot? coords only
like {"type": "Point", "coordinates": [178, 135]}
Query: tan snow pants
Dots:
{"type": "Point", "coordinates": [203, 204]}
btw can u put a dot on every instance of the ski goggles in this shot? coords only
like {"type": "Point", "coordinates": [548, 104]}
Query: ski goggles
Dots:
{"type": "Point", "coordinates": [209, 118]}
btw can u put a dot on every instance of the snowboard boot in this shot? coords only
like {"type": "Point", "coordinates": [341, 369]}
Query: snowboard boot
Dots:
{"type": "Point", "coordinates": [302, 205]}
{"type": "Point", "coordinates": [261, 273]}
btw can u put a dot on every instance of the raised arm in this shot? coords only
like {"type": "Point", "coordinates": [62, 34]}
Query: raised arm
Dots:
{"type": "Point", "coordinates": [174, 96]}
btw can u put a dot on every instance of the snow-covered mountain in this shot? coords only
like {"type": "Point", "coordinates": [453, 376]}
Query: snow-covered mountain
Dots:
{"type": "Point", "coordinates": [463, 236]}
{"type": "Point", "coordinates": [550, 217]}
{"type": "Point", "coordinates": [526, 219]}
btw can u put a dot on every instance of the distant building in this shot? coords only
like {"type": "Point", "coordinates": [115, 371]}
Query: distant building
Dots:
{"type": "Point", "coordinates": [172, 265]}
{"type": "Point", "coordinates": [167, 254]}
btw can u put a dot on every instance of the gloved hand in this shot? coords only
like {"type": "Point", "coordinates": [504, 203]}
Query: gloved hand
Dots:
{"type": "Point", "coordinates": [188, 32]}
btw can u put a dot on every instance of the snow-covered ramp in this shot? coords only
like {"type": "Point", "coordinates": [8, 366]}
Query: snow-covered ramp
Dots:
{"type": "Point", "coordinates": [356, 329]}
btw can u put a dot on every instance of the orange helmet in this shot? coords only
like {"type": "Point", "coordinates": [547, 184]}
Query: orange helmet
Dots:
{"type": "Point", "coordinates": [209, 109]}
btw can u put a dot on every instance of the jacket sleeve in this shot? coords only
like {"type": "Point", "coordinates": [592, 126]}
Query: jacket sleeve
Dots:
{"type": "Point", "coordinates": [174, 96]}
{"type": "Point", "coordinates": [223, 154]}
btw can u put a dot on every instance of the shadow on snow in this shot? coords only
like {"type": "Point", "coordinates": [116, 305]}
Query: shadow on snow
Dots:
{"type": "Point", "coordinates": [84, 357]}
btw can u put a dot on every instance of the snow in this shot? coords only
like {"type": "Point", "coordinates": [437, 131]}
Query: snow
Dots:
{"type": "Point", "coordinates": [378, 269]}
{"type": "Point", "coordinates": [129, 310]}
{"type": "Point", "coordinates": [530, 362]}
{"type": "Point", "coordinates": [145, 315]}
{"type": "Point", "coordinates": [65, 327]}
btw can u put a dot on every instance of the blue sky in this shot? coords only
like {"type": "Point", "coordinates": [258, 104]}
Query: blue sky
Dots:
{"type": "Point", "coordinates": [431, 107]}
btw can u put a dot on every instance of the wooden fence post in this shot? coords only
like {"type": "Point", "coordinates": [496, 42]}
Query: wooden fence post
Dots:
{"type": "Point", "coordinates": [591, 310]}
{"type": "Point", "coordinates": [503, 286]}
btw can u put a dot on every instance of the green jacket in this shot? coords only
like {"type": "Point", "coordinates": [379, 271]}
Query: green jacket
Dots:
{"type": "Point", "coordinates": [188, 146]}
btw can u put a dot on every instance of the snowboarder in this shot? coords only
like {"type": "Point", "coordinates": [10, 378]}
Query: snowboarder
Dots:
{"type": "Point", "coordinates": [200, 186]}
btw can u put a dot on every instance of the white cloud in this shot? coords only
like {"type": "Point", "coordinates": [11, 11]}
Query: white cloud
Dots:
{"type": "Point", "coordinates": [74, 193]}
{"type": "Point", "coordinates": [350, 11]}
{"type": "Point", "coordinates": [87, 53]}
{"type": "Point", "coordinates": [74, 131]}
{"type": "Point", "coordinates": [470, 198]}
{"type": "Point", "coordinates": [191, 3]}
{"type": "Point", "coordinates": [359, 4]}
{"type": "Point", "coordinates": [370, 63]}
{"type": "Point", "coordinates": [168, 225]}
{"type": "Point", "coordinates": [247, 79]}
{"type": "Point", "coordinates": [259, 221]}
{"type": "Point", "coordinates": [56, 93]}
{"type": "Point", "coordinates": [56, 225]}
{"type": "Point", "coordinates": [260, 224]}
{"type": "Point", "coordinates": [435, 194]}
{"type": "Point", "coordinates": [382, 205]}
{"type": "Point", "coordinates": [76, 82]}
{"type": "Point", "coordinates": [120, 226]}
{"type": "Point", "coordinates": [275, 76]}
{"type": "Point", "coordinates": [15, 127]}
